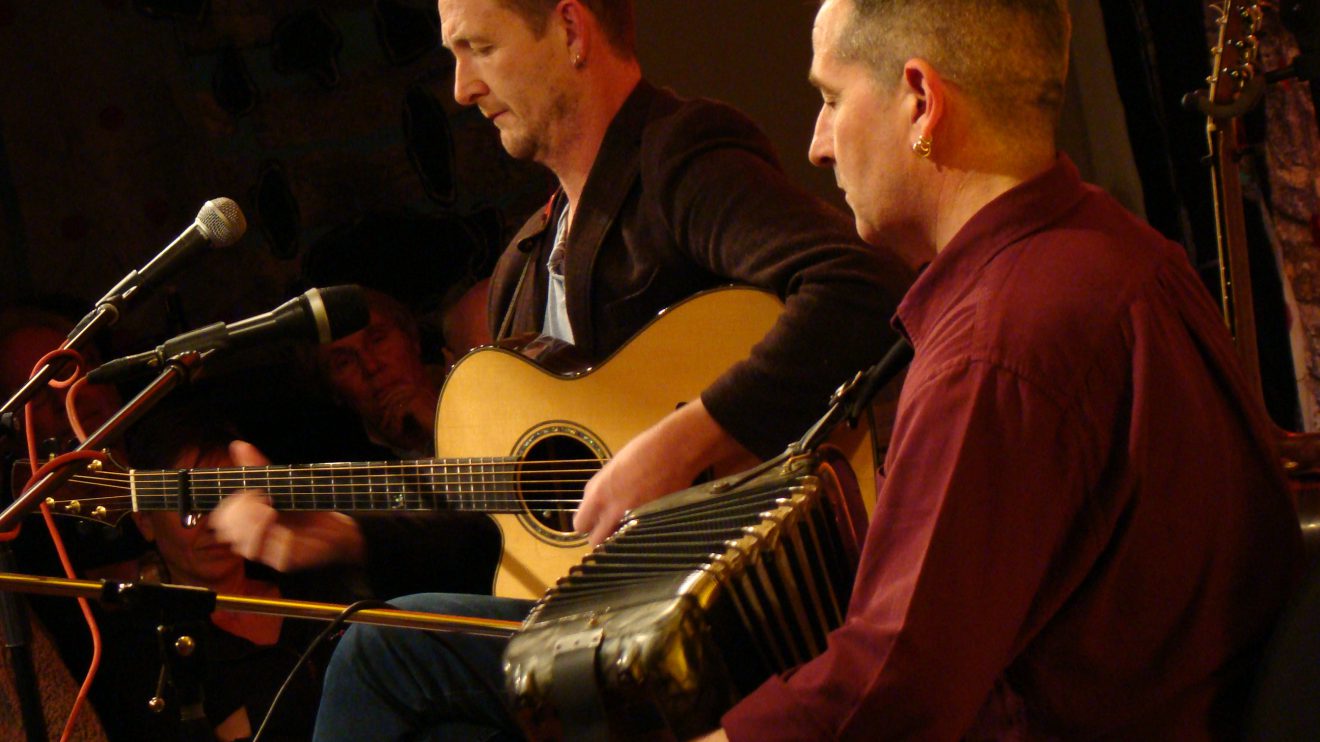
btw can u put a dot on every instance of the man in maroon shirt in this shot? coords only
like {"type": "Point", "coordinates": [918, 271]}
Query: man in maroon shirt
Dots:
{"type": "Point", "coordinates": [1082, 531]}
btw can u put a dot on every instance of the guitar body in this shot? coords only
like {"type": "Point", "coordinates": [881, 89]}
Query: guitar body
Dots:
{"type": "Point", "coordinates": [497, 403]}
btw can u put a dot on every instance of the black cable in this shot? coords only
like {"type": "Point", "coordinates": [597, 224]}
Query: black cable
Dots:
{"type": "Point", "coordinates": [334, 625]}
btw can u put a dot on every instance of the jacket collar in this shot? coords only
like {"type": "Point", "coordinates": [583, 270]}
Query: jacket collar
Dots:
{"type": "Point", "coordinates": [612, 178]}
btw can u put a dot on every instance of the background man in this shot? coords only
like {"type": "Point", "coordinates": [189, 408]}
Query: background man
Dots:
{"type": "Point", "coordinates": [378, 372]}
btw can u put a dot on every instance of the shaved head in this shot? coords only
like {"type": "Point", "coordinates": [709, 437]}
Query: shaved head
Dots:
{"type": "Point", "coordinates": [1011, 56]}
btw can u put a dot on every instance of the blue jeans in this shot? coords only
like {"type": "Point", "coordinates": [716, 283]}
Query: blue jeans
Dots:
{"type": "Point", "coordinates": [386, 683]}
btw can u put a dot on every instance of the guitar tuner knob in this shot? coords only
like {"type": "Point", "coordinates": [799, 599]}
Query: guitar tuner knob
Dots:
{"type": "Point", "coordinates": [74, 507]}
{"type": "Point", "coordinates": [99, 512]}
{"type": "Point", "coordinates": [94, 465]}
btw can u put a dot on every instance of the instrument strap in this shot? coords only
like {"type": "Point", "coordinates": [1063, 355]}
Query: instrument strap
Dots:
{"type": "Point", "coordinates": [575, 693]}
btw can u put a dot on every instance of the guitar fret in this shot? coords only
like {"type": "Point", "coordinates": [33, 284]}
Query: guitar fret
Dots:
{"type": "Point", "coordinates": [309, 491]}
{"type": "Point", "coordinates": [281, 490]}
{"type": "Point", "coordinates": [488, 475]}
{"type": "Point", "coordinates": [473, 480]}
{"type": "Point", "coordinates": [380, 491]}
{"type": "Point", "coordinates": [354, 478]}
{"type": "Point", "coordinates": [268, 486]}
{"type": "Point", "coordinates": [336, 489]}
{"type": "Point", "coordinates": [197, 492]}
{"type": "Point", "coordinates": [429, 485]}
{"type": "Point", "coordinates": [465, 485]}
{"type": "Point", "coordinates": [289, 490]}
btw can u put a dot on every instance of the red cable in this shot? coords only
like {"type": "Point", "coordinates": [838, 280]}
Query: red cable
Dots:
{"type": "Point", "coordinates": [49, 466]}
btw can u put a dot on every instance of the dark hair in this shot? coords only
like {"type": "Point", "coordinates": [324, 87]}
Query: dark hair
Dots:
{"type": "Point", "coordinates": [183, 425]}
{"type": "Point", "coordinates": [1009, 55]}
{"type": "Point", "coordinates": [615, 16]}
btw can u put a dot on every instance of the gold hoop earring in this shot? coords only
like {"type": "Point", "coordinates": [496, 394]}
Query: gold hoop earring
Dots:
{"type": "Point", "coordinates": [922, 146]}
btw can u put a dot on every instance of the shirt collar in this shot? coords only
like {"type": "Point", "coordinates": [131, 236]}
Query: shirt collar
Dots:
{"type": "Point", "coordinates": [1012, 216]}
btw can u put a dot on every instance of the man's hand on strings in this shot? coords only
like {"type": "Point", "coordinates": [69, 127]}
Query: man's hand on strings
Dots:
{"type": "Point", "coordinates": [285, 541]}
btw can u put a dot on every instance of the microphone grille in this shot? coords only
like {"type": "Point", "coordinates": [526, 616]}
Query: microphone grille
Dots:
{"type": "Point", "coordinates": [222, 221]}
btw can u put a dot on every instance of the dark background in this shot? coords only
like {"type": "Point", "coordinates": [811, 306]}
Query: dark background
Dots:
{"type": "Point", "coordinates": [332, 125]}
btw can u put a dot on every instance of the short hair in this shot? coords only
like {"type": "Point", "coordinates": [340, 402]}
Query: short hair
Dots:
{"type": "Point", "coordinates": [393, 310]}
{"type": "Point", "coordinates": [178, 433]}
{"type": "Point", "coordinates": [1011, 56]}
{"type": "Point", "coordinates": [616, 18]}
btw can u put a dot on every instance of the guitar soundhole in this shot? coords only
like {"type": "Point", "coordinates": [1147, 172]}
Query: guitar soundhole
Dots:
{"type": "Point", "coordinates": [555, 469]}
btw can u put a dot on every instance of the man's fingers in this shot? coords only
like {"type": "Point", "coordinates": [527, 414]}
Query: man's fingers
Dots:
{"type": "Point", "coordinates": [242, 521]}
{"type": "Point", "coordinates": [604, 527]}
{"type": "Point", "coordinates": [246, 454]}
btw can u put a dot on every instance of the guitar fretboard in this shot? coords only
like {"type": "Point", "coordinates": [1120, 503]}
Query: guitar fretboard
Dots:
{"type": "Point", "coordinates": [466, 484]}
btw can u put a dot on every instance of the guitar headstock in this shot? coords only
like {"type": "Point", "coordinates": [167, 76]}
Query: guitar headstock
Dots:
{"type": "Point", "coordinates": [1234, 83]}
{"type": "Point", "coordinates": [100, 494]}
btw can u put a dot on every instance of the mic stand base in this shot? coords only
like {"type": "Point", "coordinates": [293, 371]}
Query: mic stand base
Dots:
{"type": "Point", "coordinates": [17, 636]}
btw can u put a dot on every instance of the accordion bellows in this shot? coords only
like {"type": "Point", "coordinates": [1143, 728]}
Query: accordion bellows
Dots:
{"type": "Point", "coordinates": [696, 600]}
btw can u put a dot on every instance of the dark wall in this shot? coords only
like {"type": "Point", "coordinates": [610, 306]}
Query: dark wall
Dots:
{"type": "Point", "coordinates": [116, 124]}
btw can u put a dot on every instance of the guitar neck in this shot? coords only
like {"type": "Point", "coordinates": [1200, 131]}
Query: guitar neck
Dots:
{"type": "Point", "coordinates": [1234, 260]}
{"type": "Point", "coordinates": [1234, 88]}
{"type": "Point", "coordinates": [472, 485]}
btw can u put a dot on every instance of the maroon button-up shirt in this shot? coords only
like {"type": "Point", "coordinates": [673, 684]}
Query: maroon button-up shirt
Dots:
{"type": "Point", "coordinates": [1083, 530]}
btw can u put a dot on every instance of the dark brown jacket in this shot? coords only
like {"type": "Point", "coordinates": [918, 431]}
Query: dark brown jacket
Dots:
{"type": "Point", "coordinates": [687, 195]}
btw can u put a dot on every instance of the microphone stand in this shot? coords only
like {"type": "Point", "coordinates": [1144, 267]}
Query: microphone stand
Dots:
{"type": "Point", "coordinates": [13, 614]}
{"type": "Point", "coordinates": [17, 636]}
{"type": "Point", "coordinates": [105, 314]}
{"type": "Point", "coordinates": [14, 625]}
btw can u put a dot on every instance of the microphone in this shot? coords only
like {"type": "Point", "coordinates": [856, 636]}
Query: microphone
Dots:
{"type": "Point", "coordinates": [322, 315]}
{"type": "Point", "coordinates": [220, 223]}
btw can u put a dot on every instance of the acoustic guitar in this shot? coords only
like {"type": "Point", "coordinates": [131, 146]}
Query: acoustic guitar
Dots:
{"type": "Point", "coordinates": [513, 440]}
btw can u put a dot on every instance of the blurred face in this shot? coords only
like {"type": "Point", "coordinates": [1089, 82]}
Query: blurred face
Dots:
{"type": "Point", "coordinates": [520, 82]}
{"type": "Point", "coordinates": [192, 555]}
{"type": "Point", "coordinates": [19, 352]}
{"type": "Point", "coordinates": [370, 365]}
{"type": "Point", "coordinates": [862, 134]}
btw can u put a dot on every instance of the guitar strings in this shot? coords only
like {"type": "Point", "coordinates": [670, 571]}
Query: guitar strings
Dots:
{"type": "Point", "coordinates": [445, 468]}
{"type": "Point", "coordinates": [501, 483]}
{"type": "Point", "coordinates": [510, 504]}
